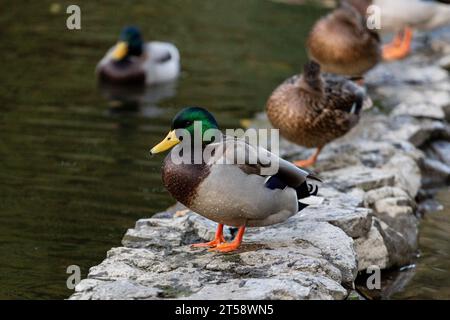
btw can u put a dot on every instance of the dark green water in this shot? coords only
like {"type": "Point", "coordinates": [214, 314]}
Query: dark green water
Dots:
{"type": "Point", "coordinates": [74, 175]}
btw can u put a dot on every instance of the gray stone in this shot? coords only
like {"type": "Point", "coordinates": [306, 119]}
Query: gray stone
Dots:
{"type": "Point", "coordinates": [437, 173]}
{"type": "Point", "coordinates": [398, 213]}
{"type": "Point", "coordinates": [337, 199]}
{"type": "Point", "coordinates": [386, 76]}
{"type": "Point", "coordinates": [407, 173]}
{"type": "Point", "coordinates": [402, 248]}
{"type": "Point", "coordinates": [396, 208]}
{"type": "Point", "coordinates": [112, 290]}
{"type": "Point", "coordinates": [444, 62]}
{"type": "Point", "coordinates": [423, 110]}
{"type": "Point", "coordinates": [300, 286]}
{"type": "Point", "coordinates": [371, 250]}
{"type": "Point", "coordinates": [418, 133]}
{"type": "Point", "coordinates": [385, 192]}
{"type": "Point", "coordinates": [359, 177]}
{"type": "Point", "coordinates": [298, 259]}
{"type": "Point", "coordinates": [442, 150]}
{"type": "Point", "coordinates": [355, 222]}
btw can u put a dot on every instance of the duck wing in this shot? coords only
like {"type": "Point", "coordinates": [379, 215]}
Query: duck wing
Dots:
{"type": "Point", "coordinates": [259, 161]}
{"type": "Point", "coordinates": [343, 94]}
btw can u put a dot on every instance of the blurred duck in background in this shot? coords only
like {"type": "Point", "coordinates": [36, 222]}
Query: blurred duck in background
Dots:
{"type": "Point", "coordinates": [312, 109]}
{"type": "Point", "coordinates": [341, 42]}
{"type": "Point", "coordinates": [402, 17]}
{"type": "Point", "coordinates": [131, 61]}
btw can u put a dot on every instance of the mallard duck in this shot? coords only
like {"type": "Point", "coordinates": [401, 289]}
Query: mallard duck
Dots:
{"type": "Point", "coordinates": [312, 110]}
{"type": "Point", "coordinates": [131, 61]}
{"type": "Point", "coordinates": [341, 42]}
{"type": "Point", "coordinates": [228, 191]}
{"type": "Point", "coordinates": [402, 17]}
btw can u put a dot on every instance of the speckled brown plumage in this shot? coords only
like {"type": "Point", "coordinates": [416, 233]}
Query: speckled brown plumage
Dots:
{"type": "Point", "coordinates": [312, 110]}
{"type": "Point", "coordinates": [341, 42]}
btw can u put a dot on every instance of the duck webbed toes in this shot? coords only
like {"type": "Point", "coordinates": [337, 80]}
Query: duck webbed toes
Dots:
{"type": "Point", "coordinates": [218, 239]}
{"type": "Point", "coordinates": [231, 246]}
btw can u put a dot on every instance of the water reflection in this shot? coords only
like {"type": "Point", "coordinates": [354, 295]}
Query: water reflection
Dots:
{"type": "Point", "coordinates": [140, 100]}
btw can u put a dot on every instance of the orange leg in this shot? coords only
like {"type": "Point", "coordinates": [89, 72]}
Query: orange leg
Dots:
{"type": "Point", "coordinates": [308, 162]}
{"type": "Point", "coordinates": [400, 50]}
{"type": "Point", "coordinates": [218, 239]}
{"type": "Point", "coordinates": [231, 246]}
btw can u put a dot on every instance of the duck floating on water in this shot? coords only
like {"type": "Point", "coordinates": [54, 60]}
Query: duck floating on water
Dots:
{"type": "Point", "coordinates": [341, 42]}
{"type": "Point", "coordinates": [312, 109]}
{"type": "Point", "coordinates": [230, 192]}
{"type": "Point", "coordinates": [403, 17]}
{"type": "Point", "coordinates": [131, 61]}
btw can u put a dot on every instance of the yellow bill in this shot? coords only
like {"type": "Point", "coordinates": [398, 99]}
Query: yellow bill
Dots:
{"type": "Point", "coordinates": [120, 51]}
{"type": "Point", "coordinates": [169, 141]}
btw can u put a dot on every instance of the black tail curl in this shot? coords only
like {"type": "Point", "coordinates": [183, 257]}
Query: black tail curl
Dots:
{"type": "Point", "coordinates": [304, 191]}
{"type": "Point", "coordinates": [313, 189]}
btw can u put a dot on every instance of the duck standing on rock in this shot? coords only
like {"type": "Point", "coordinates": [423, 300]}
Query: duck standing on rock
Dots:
{"type": "Point", "coordinates": [131, 61]}
{"type": "Point", "coordinates": [341, 42]}
{"type": "Point", "coordinates": [402, 17]}
{"type": "Point", "coordinates": [226, 190]}
{"type": "Point", "coordinates": [312, 110]}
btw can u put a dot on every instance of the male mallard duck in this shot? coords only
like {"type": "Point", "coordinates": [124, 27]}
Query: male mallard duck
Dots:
{"type": "Point", "coordinates": [312, 110]}
{"type": "Point", "coordinates": [402, 17]}
{"type": "Point", "coordinates": [228, 191]}
{"type": "Point", "coordinates": [341, 42]}
{"type": "Point", "coordinates": [133, 61]}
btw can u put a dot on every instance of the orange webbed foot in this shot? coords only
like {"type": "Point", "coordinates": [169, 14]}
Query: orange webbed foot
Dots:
{"type": "Point", "coordinates": [226, 247]}
{"type": "Point", "coordinates": [218, 239]}
{"type": "Point", "coordinates": [231, 246]}
{"type": "Point", "coordinates": [210, 244]}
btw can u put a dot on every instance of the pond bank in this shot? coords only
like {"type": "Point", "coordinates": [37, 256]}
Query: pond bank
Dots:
{"type": "Point", "coordinates": [373, 180]}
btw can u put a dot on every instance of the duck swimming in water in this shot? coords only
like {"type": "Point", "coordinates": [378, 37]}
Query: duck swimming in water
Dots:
{"type": "Point", "coordinates": [131, 61]}
{"type": "Point", "coordinates": [228, 191]}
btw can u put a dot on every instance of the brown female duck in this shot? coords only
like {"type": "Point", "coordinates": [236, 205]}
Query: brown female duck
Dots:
{"type": "Point", "coordinates": [341, 42]}
{"type": "Point", "coordinates": [312, 110]}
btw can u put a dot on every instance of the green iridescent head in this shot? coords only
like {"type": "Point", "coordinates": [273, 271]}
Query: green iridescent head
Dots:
{"type": "Point", "coordinates": [188, 119]}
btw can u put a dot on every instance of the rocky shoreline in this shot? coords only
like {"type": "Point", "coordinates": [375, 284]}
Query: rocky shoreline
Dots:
{"type": "Point", "coordinates": [374, 186]}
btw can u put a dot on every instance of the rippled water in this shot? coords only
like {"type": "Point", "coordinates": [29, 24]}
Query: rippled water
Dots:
{"type": "Point", "coordinates": [74, 168]}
